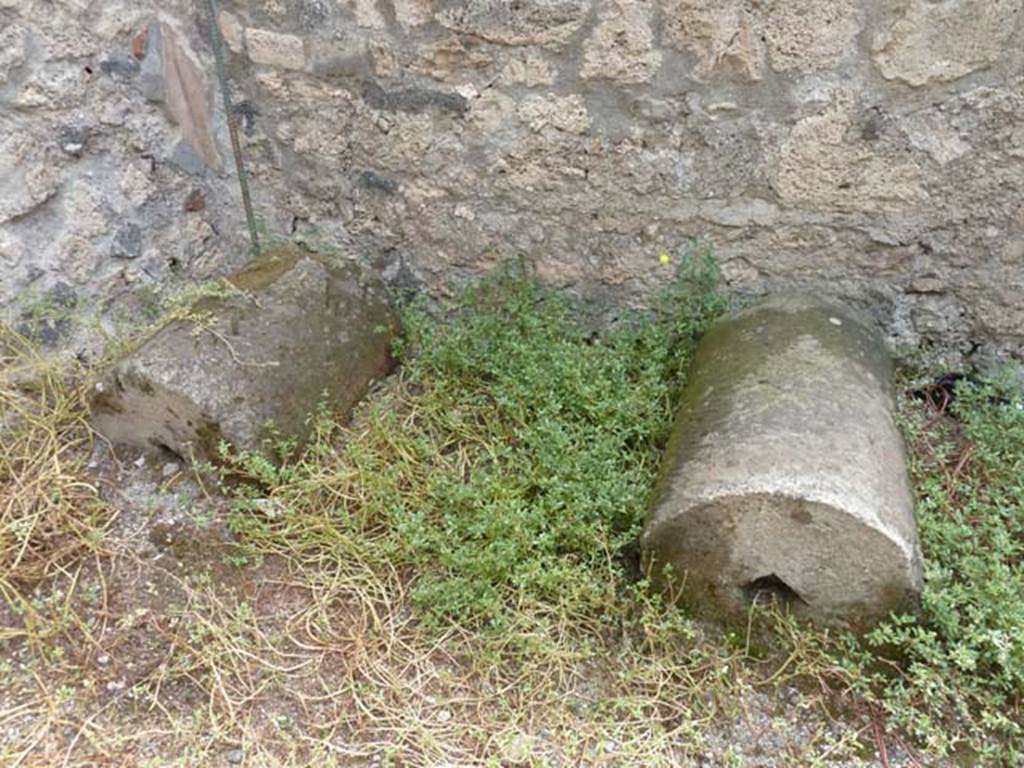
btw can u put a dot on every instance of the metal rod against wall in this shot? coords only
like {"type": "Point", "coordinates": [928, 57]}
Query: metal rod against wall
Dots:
{"type": "Point", "coordinates": [236, 146]}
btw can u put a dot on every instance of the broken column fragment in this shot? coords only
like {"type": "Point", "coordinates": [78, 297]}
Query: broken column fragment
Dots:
{"type": "Point", "coordinates": [285, 334]}
{"type": "Point", "coordinates": [785, 473]}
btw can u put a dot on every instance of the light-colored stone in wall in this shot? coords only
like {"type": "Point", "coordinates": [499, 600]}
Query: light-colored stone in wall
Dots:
{"type": "Point", "coordinates": [366, 12]}
{"type": "Point", "coordinates": [56, 85]}
{"type": "Point", "coordinates": [276, 50]}
{"type": "Point", "coordinates": [736, 36]}
{"type": "Point", "coordinates": [720, 34]}
{"type": "Point", "coordinates": [116, 17]}
{"type": "Point", "coordinates": [412, 13]}
{"type": "Point", "coordinates": [232, 31]}
{"type": "Point", "coordinates": [13, 40]}
{"type": "Point", "coordinates": [931, 134]}
{"type": "Point", "coordinates": [383, 60]}
{"type": "Point", "coordinates": [85, 202]}
{"type": "Point", "coordinates": [621, 47]}
{"type": "Point", "coordinates": [12, 250]}
{"type": "Point", "coordinates": [58, 40]}
{"type": "Point", "coordinates": [530, 70]}
{"type": "Point", "coordinates": [490, 111]}
{"type": "Point", "coordinates": [276, 8]}
{"type": "Point", "coordinates": [525, 22]}
{"type": "Point", "coordinates": [26, 179]}
{"type": "Point", "coordinates": [808, 35]}
{"type": "Point", "coordinates": [561, 113]}
{"type": "Point", "coordinates": [939, 42]}
{"type": "Point", "coordinates": [442, 59]}
{"type": "Point", "coordinates": [820, 168]}
{"type": "Point", "coordinates": [136, 183]}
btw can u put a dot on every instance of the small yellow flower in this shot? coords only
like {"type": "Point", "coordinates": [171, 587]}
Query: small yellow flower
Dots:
{"type": "Point", "coordinates": [664, 258]}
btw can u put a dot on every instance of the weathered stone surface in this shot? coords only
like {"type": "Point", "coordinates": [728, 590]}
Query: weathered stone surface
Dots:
{"type": "Point", "coordinates": [413, 99]}
{"type": "Point", "coordinates": [786, 134]}
{"type": "Point", "coordinates": [822, 165]}
{"type": "Point", "coordinates": [785, 472]}
{"type": "Point", "coordinates": [622, 45]}
{"type": "Point", "coordinates": [275, 50]}
{"type": "Point", "coordinates": [53, 86]}
{"type": "Point", "coordinates": [367, 13]}
{"type": "Point", "coordinates": [13, 41]}
{"type": "Point", "coordinates": [444, 59]}
{"type": "Point", "coordinates": [73, 139]}
{"type": "Point", "coordinates": [566, 113]}
{"type": "Point", "coordinates": [301, 328]}
{"type": "Point", "coordinates": [939, 42]}
{"type": "Point", "coordinates": [412, 13]}
{"type": "Point", "coordinates": [151, 69]}
{"type": "Point", "coordinates": [120, 65]}
{"type": "Point", "coordinates": [12, 252]}
{"type": "Point", "coordinates": [932, 133]}
{"type": "Point", "coordinates": [736, 36]}
{"type": "Point", "coordinates": [26, 179]}
{"type": "Point", "coordinates": [720, 34]}
{"type": "Point", "coordinates": [127, 243]}
{"type": "Point", "coordinates": [349, 57]}
{"type": "Point", "coordinates": [527, 22]}
{"type": "Point", "coordinates": [530, 70]}
{"type": "Point", "coordinates": [808, 35]}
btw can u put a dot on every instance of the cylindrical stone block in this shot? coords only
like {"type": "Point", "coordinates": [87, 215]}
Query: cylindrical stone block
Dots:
{"type": "Point", "coordinates": [785, 472]}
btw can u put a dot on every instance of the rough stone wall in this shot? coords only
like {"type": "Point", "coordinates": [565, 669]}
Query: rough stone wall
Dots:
{"type": "Point", "coordinates": [866, 149]}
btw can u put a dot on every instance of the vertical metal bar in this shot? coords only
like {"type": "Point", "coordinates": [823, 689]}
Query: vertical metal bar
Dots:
{"type": "Point", "coordinates": [236, 146]}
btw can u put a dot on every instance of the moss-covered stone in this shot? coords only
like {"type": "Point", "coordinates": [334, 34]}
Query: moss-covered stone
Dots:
{"type": "Point", "coordinates": [785, 472]}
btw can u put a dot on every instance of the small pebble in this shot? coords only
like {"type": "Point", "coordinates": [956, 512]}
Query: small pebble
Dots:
{"type": "Point", "coordinates": [103, 660]}
{"type": "Point", "coordinates": [170, 469]}
{"type": "Point", "coordinates": [235, 756]}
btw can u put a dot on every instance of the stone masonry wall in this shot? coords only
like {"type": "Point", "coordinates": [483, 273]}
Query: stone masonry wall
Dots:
{"type": "Point", "coordinates": [867, 149]}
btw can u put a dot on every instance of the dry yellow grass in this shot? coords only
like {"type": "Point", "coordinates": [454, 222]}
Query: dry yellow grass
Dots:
{"type": "Point", "coordinates": [50, 512]}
